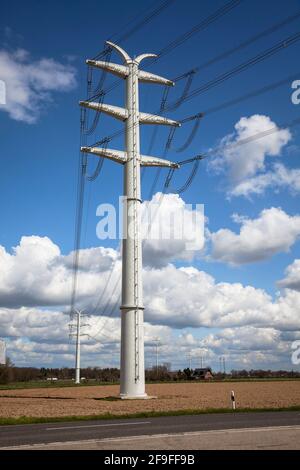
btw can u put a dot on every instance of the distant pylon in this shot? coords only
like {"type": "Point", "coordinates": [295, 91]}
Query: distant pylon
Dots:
{"type": "Point", "coordinates": [190, 360]}
{"type": "Point", "coordinates": [77, 335]}
{"type": "Point", "coordinates": [156, 351]}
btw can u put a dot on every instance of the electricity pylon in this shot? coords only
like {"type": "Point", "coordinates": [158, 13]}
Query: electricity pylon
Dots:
{"type": "Point", "coordinates": [156, 340]}
{"type": "Point", "coordinates": [77, 335]}
{"type": "Point", "coordinates": [132, 383]}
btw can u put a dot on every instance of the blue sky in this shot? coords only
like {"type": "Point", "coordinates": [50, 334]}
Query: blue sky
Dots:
{"type": "Point", "coordinates": [39, 160]}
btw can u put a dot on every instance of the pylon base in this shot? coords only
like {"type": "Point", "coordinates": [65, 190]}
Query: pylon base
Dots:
{"type": "Point", "coordinates": [138, 397]}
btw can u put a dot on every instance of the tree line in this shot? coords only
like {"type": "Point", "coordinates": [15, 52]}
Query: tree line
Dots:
{"type": "Point", "coordinates": [10, 373]}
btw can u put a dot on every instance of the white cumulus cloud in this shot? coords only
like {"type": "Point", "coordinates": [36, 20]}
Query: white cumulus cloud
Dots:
{"type": "Point", "coordinates": [244, 160]}
{"type": "Point", "coordinates": [30, 83]}
{"type": "Point", "coordinates": [37, 274]}
{"type": "Point", "coordinates": [35, 287]}
{"type": "Point", "coordinates": [172, 230]}
{"type": "Point", "coordinates": [272, 232]}
{"type": "Point", "coordinates": [292, 279]}
{"type": "Point", "coordinates": [278, 177]}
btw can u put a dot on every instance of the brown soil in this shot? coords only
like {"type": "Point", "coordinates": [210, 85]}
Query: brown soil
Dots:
{"type": "Point", "coordinates": [91, 400]}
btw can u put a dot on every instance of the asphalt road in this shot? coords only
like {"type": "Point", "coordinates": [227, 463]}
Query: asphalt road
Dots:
{"type": "Point", "coordinates": [17, 435]}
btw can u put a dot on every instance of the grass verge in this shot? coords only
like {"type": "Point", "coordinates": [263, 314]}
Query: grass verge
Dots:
{"type": "Point", "coordinates": [148, 414]}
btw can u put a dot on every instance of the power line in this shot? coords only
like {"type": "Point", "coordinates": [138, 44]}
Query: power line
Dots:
{"type": "Point", "coordinates": [241, 46]}
{"type": "Point", "coordinates": [249, 41]}
{"type": "Point", "coordinates": [82, 163]}
{"type": "Point", "coordinates": [123, 37]}
{"type": "Point", "coordinates": [220, 107]}
{"type": "Point", "coordinates": [82, 176]}
{"type": "Point", "coordinates": [252, 94]}
{"type": "Point", "coordinates": [236, 70]}
{"type": "Point", "coordinates": [98, 92]}
{"type": "Point", "coordinates": [191, 74]}
{"type": "Point", "coordinates": [144, 21]}
{"type": "Point", "coordinates": [245, 141]}
{"type": "Point", "coordinates": [106, 53]}
{"type": "Point", "coordinates": [231, 145]}
{"type": "Point", "coordinates": [115, 305]}
{"type": "Point", "coordinates": [167, 147]}
{"type": "Point", "coordinates": [245, 65]}
{"type": "Point", "coordinates": [196, 160]}
{"type": "Point", "coordinates": [94, 125]}
{"type": "Point", "coordinates": [219, 13]}
{"type": "Point", "coordinates": [234, 101]}
{"type": "Point", "coordinates": [197, 118]}
{"type": "Point", "coordinates": [99, 165]}
{"type": "Point", "coordinates": [82, 159]}
{"type": "Point", "coordinates": [259, 135]}
{"type": "Point", "coordinates": [275, 27]}
{"type": "Point", "coordinates": [112, 310]}
{"type": "Point", "coordinates": [173, 106]}
{"type": "Point", "coordinates": [229, 103]}
{"type": "Point", "coordinates": [185, 96]}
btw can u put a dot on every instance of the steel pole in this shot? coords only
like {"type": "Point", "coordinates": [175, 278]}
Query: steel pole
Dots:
{"type": "Point", "coordinates": [132, 311]}
{"type": "Point", "coordinates": [132, 383]}
{"type": "Point", "coordinates": [77, 363]}
{"type": "Point", "coordinates": [190, 360]}
{"type": "Point", "coordinates": [156, 358]}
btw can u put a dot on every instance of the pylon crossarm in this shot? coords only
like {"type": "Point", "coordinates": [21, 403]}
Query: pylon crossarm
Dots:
{"type": "Point", "coordinates": [114, 111]}
{"type": "Point", "coordinates": [146, 118]}
{"type": "Point", "coordinates": [115, 155]}
{"type": "Point", "coordinates": [148, 77]}
{"type": "Point", "coordinates": [116, 69]}
{"type": "Point", "coordinates": [123, 72]}
{"type": "Point", "coordinates": [122, 114]}
{"type": "Point", "coordinates": [121, 157]}
{"type": "Point", "coordinates": [154, 161]}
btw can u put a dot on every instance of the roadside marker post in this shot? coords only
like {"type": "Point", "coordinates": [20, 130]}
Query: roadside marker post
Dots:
{"type": "Point", "coordinates": [233, 400]}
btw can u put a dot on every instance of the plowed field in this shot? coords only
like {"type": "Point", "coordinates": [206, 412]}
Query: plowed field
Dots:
{"type": "Point", "coordinates": [96, 400]}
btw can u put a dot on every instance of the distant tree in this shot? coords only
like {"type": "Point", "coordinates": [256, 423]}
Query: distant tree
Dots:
{"type": "Point", "coordinates": [188, 373]}
{"type": "Point", "coordinates": [6, 372]}
{"type": "Point", "coordinates": [161, 374]}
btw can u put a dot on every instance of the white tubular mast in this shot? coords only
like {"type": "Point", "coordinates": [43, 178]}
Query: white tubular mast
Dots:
{"type": "Point", "coordinates": [77, 362]}
{"type": "Point", "coordinates": [132, 384]}
{"type": "Point", "coordinates": [75, 331]}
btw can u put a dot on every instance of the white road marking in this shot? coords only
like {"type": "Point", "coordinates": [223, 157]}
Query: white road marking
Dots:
{"type": "Point", "coordinates": [199, 433]}
{"type": "Point", "coordinates": [98, 426]}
